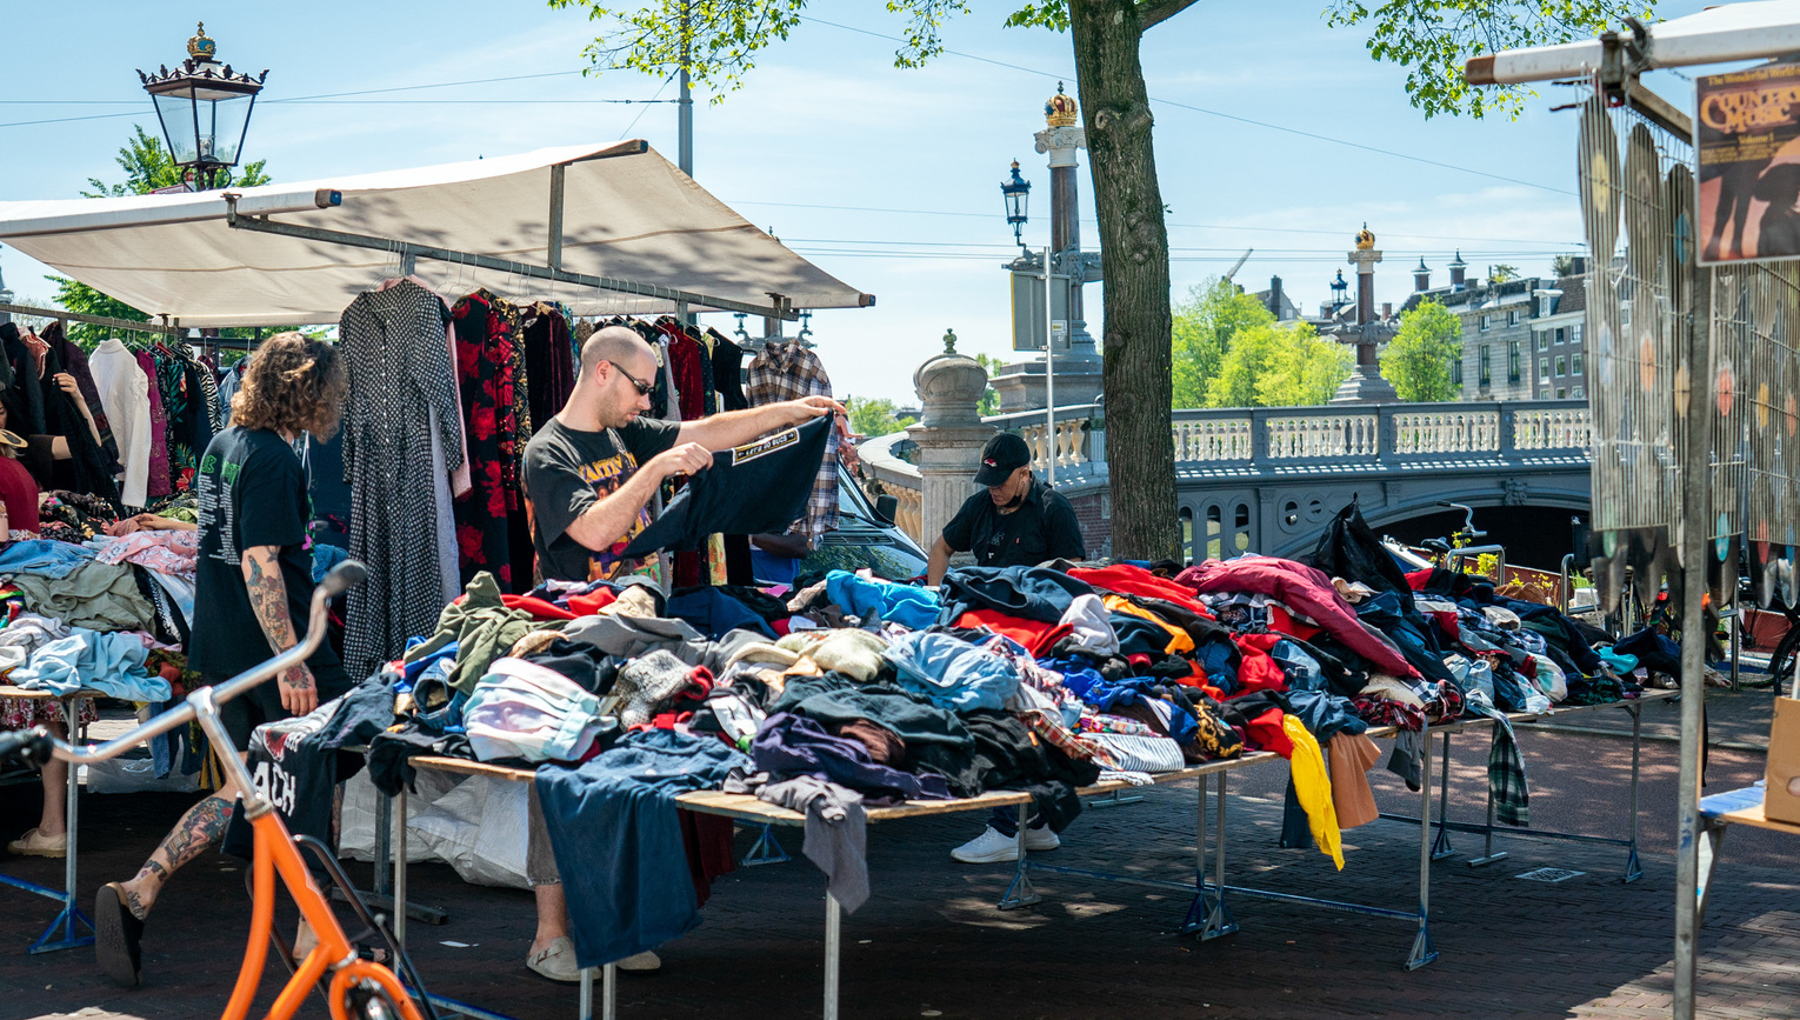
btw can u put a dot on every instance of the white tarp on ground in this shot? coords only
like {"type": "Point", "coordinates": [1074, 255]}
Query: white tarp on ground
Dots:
{"type": "Point", "coordinates": [1742, 31]}
{"type": "Point", "coordinates": [628, 215]}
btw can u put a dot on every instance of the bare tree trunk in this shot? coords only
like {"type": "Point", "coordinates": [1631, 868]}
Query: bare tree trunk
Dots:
{"type": "Point", "coordinates": [1139, 383]}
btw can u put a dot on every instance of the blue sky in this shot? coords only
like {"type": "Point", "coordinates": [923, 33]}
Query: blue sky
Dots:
{"type": "Point", "coordinates": [887, 178]}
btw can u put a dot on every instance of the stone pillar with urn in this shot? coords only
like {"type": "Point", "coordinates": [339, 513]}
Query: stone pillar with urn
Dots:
{"type": "Point", "coordinates": [949, 436]}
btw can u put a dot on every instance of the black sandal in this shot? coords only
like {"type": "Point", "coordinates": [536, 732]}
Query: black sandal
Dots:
{"type": "Point", "coordinates": [117, 934]}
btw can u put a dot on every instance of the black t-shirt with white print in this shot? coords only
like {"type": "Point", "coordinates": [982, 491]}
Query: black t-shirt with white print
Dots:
{"type": "Point", "coordinates": [252, 492]}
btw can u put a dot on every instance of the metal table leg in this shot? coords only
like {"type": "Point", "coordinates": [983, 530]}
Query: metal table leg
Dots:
{"type": "Point", "coordinates": [1633, 871]}
{"type": "Point", "coordinates": [1020, 893]}
{"type": "Point", "coordinates": [833, 946]}
{"type": "Point", "coordinates": [1114, 800]}
{"type": "Point", "coordinates": [1488, 855]}
{"type": "Point", "coordinates": [1441, 848]}
{"type": "Point", "coordinates": [399, 922]}
{"type": "Point", "coordinates": [1423, 951]}
{"type": "Point", "coordinates": [609, 983]}
{"type": "Point", "coordinates": [384, 850]}
{"type": "Point", "coordinates": [70, 916]}
{"type": "Point", "coordinates": [766, 849]}
{"type": "Point", "coordinates": [1208, 916]}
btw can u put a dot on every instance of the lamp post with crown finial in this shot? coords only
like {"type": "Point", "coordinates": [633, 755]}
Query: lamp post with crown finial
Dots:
{"type": "Point", "coordinates": [204, 109]}
{"type": "Point", "coordinates": [1037, 302]}
{"type": "Point", "coordinates": [1365, 384]}
{"type": "Point", "coordinates": [1061, 139]}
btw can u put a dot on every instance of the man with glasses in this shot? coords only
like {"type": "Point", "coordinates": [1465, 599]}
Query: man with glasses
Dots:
{"type": "Point", "coordinates": [590, 473]}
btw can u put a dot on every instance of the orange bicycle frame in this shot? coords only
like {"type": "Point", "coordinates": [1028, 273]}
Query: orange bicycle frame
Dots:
{"type": "Point", "coordinates": [275, 855]}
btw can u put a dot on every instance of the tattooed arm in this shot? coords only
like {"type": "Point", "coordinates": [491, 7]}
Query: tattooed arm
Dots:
{"type": "Point", "coordinates": [268, 599]}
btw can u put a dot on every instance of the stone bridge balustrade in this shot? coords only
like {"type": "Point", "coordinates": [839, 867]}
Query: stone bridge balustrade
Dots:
{"type": "Point", "coordinates": [1285, 469]}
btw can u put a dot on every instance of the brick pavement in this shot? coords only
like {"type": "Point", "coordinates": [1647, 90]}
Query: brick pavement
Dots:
{"type": "Point", "coordinates": [929, 943]}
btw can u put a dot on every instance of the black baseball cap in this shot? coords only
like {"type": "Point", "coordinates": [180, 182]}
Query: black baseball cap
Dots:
{"type": "Point", "coordinates": [1003, 454]}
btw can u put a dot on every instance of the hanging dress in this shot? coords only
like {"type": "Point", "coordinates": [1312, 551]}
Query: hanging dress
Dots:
{"type": "Point", "coordinates": [401, 382]}
{"type": "Point", "coordinates": [488, 371]}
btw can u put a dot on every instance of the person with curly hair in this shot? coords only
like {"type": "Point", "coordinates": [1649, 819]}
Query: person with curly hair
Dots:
{"type": "Point", "coordinates": [254, 576]}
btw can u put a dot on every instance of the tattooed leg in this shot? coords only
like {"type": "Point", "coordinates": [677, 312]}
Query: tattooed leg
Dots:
{"type": "Point", "coordinates": [201, 828]}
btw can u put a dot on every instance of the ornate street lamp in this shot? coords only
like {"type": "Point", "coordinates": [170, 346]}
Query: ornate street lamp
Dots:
{"type": "Point", "coordinates": [1017, 193]}
{"type": "Point", "coordinates": [204, 109]}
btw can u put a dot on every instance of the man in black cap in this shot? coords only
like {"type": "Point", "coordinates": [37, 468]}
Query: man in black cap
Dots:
{"type": "Point", "coordinates": [1017, 522]}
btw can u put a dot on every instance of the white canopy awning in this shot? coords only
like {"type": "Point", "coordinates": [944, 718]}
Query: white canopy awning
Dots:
{"type": "Point", "coordinates": [1742, 31]}
{"type": "Point", "coordinates": [628, 214]}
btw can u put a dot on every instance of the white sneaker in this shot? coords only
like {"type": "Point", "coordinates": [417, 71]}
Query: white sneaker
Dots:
{"type": "Point", "coordinates": [993, 847]}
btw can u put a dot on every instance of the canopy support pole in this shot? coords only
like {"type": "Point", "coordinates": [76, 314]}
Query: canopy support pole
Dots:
{"type": "Point", "coordinates": [264, 225]}
{"type": "Point", "coordinates": [557, 177]}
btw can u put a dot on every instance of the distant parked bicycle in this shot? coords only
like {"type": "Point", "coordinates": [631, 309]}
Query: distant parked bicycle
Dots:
{"type": "Point", "coordinates": [1462, 538]}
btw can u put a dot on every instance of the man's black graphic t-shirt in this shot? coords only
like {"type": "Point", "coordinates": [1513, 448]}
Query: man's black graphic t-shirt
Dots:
{"type": "Point", "coordinates": [567, 471]}
{"type": "Point", "coordinates": [252, 492]}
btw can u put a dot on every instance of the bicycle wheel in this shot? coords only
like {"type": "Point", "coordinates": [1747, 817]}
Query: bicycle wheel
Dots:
{"type": "Point", "coordinates": [1781, 664]}
{"type": "Point", "coordinates": [368, 1001]}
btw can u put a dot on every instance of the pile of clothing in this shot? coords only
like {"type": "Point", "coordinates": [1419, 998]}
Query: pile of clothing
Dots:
{"type": "Point", "coordinates": [853, 692]}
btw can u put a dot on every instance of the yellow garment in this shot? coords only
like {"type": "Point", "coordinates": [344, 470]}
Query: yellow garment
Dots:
{"type": "Point", "coordinates": [1313, 788]}
{"type": "Point", "coordinates": [1179, 641]}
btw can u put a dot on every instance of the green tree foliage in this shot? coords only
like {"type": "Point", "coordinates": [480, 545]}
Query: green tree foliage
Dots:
{"type": "Point", "coordinates": [1204, 325]}
{"type": "Point", "coordinates": [147, 167]}
{"type": "Point", "coordinates": [1562, 265]}
{"type": "Point", "coordinates": [1268, 365]}
{"type": "Point", "coordinates": [874, 416]}
{"type": "Point", "coordinates": [1502, 273]}
{"type": "Point", "coordinates": [990, 397]}
{"type": "Point", "coordinates": [1433, 39]}
{"type": "Point", "coordinates": [1418, 360]}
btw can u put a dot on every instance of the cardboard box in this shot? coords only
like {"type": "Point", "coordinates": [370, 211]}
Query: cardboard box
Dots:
{"type": "Point", "coordinates": [1779, 803]}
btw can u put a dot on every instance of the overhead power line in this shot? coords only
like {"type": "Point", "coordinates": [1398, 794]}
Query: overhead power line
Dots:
{"type": "Point", "coordinates": [1217, 113]}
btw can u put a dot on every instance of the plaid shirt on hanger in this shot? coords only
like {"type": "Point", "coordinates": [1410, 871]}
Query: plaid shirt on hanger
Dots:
{"type": "Point", "coordinates": [787, 370]}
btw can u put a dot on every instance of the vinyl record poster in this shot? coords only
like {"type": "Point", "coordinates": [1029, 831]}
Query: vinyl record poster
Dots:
{"type": "Point", "coordinates": [1747, 143]}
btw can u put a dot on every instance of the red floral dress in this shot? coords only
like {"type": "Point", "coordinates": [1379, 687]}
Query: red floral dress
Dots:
{"type": "Point", "coordinates": [490, 370]}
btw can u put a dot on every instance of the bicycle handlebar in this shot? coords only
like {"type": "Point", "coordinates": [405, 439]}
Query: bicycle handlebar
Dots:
{"type": "Point", "coordinates": [344, 576]}
{"type": "Point", "coordinates": [32, 745]}
{"type": "Point", "coordinates": [1468, 528]}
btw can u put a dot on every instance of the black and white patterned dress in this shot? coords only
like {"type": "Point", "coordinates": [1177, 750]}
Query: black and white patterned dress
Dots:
{"type": "Point", "coordinates": [401, 382]}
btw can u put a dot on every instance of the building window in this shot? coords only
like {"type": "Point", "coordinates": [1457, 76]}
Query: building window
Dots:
{"type": "Point", "coordinates": [1562, 366]}
{"type": "Point", "coordinates": [1486, 321]}
{"type": "Point", "coordinates": [1543, 339]}
{"type": "Point", "coordinates": [1543, 368]}
{"type": "Point", "coordinates": [1456, 370]}
{"type": "Point", "coordinates": [1577, 392]}
{"type": "Point", "coordinates": [1544, 395]}
{"type": "Point", "coordinates": [1512, 362]}
{"type": "Point", "coordinates": [1561, 334]}
{"type": "Point", "coordinates": [1575, 332]}
{"type": "Point", "coordinates": [1512, 317]}
{"type": "Point", "coordinates": [1575, 366]}
{"type": "Point", "coordinates": [1485, 375]}
{"type": "Point", "coordinates": [1562, 394]}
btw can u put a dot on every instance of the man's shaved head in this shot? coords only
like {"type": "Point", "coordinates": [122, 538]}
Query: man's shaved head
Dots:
{"type": "Point", "coordinates": [614, 343]}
